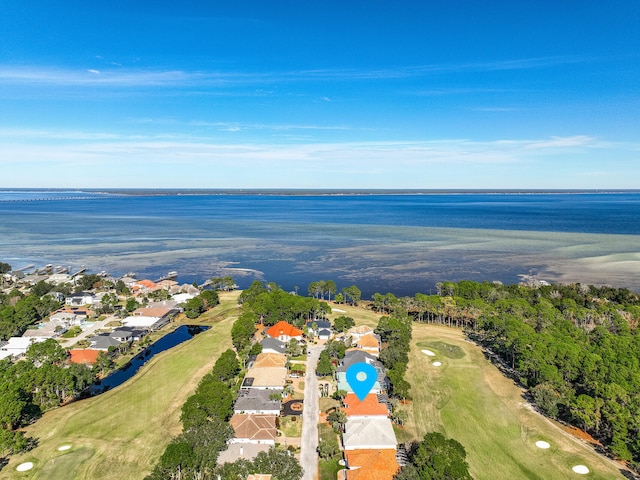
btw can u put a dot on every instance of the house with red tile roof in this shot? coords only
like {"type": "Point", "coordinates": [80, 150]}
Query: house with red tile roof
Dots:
{"type": "Point", "coordinates": [284, 332]}
{"type": "Point", "coordinates": [87, 356]}
{"type": "Point", "coordinates": [369, 407]}
{"type": "Point", "coordinates": [254, 429]}
{"type": "Point", "coordinates": [370, 464]}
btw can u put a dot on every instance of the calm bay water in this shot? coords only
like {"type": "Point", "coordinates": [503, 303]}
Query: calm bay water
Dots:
{"type": "Point", "coordinates": [399, 243]}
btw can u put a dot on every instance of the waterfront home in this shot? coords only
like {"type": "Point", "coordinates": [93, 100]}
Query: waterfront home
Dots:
{"type": "Point", "coordinates": [284, 332]}
{"type": "Point", "coordinates": [127, 334]}
{"type": "Point", "coordinates": [255, 429]}
{"type": "Point", "coordinates": [80, 299]}
{"type": "Point", "coordinates": [86, 356]}
{"type": "Point", "coordinates": [103, 342]}
{"type": "Point", "coordinates": [258, 402]}
{"type": "Point", "coordinates": [142, 287]}
{"type": "Point", "coordinates": [369, 433]}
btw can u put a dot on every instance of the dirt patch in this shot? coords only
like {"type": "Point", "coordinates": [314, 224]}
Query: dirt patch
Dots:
{"type": "Point", "coordinates": [582, 435]}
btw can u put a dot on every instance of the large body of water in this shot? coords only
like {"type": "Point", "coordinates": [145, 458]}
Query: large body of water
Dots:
{"type": "Point", "coordinates": [380, 242]}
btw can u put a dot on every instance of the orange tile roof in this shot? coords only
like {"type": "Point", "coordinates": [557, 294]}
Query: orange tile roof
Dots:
{"type": "Point", "coordinates": [368, 340]}
{"type": "Point", "coordinates": [283, 328]}
{"type": "Point", "coordinates": [270, 360]}
{"type": "Point", "coordinates": [84, 356]}
{"type": "Point", "coordinates": [371, 464]}
{"type": "Point", "coordinates": [147, 284]}
{"type": "Point", "coordinates": [369, 406]}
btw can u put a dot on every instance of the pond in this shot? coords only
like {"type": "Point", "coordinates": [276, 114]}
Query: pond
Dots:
{"type": "Point", "coordinates": [178, 336]}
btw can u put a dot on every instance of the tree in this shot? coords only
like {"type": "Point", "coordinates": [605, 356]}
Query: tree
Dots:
{"type": "Point", "coordinates": [353, 294]}
{"type": "Point", "coordinates": [4, 268]}
{"type": "Point", "coordinates": [131, 305]}
{"type": "Point", "coordinates": [194, 307]}
{"type": "Point", "coordinates": [48, 351]}
{"type": "Point", "coordinates": [328, 448]}
{"type": "Point", "coordinates": [343, 323]}
{"type": "Point", "coordinates": [324, 367]}
{"type": "Point", "coordinates": [277, 463]}
{"type": "Point", "coordinates": [104, 363]}
{"type": "Point", "coordinates": [337, 419]}
{"type": "Point", "coordinates": [242, 331]}
{"type": "Point", "coordinates": [439, 458]}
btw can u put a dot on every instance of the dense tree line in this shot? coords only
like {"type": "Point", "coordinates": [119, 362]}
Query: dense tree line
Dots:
{"type": "Point", "coordinates": [42, 381]}
{"type": "Point", "coordinates": [395, 333]}
{"type": "Point", "coordinates": [205, 415]}
{"type": "Point", "coordinates": [18, 311]}
{"type": "Point", "coordinates": [195, 306]}
{"type": "Point", "coordinates": [576, 347]}
{"type": "Point", "coordinates": [270, 304]}
{"type": "Point", "coordinates": [436, 458]}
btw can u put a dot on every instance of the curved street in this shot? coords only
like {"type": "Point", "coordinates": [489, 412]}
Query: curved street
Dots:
{"type": "Point", "coordinates": [309, 443]}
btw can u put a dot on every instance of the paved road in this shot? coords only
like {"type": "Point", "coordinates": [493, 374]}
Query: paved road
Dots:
{"type": "Point", "coordinates": [309, 446]}
{"type": "Point", "coordinates": [88, 333]}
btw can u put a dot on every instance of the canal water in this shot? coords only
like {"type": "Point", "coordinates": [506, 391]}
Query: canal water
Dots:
{"type": "Point", "coordinates": [178, 336]}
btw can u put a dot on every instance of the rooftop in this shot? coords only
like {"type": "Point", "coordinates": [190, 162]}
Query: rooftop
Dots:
{"type": "Point", "coordinates": [283, 328]}
{"type": "Point", "coordinates": [369, 406]}
{"type": "Point", "coordinates": [254, 427]}
{"type": "Point", "coordinates": [371, 464]}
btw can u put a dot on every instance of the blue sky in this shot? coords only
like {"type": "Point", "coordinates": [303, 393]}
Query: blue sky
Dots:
{"type": "Point", "coordinates": [291, 94]}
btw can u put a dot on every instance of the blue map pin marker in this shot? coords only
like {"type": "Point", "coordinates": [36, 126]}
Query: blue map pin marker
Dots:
{"type": "Point", "coordinates": [361, 377]}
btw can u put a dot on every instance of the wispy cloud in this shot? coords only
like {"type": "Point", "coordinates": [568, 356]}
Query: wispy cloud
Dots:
{"type": "Point", "coordinates": [120, 77]}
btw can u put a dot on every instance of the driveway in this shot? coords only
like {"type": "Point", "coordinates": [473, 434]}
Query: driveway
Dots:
{"type": "Point", "coordinates": [309, 446]}
{"type": "Point", "coordinates": [88, 333]}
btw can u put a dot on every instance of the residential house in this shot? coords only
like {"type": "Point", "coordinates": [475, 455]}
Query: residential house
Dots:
{"type": "Point", "coordinates": [254, 401]}
{"type": "Point", "coordinates": [149, 318]}
{"type": "Point", "coordinates": [358, 331]}
{"type": "Point", "coordinates": [360, 356]}
{"type": "Point", "coordinates": [142, 287]}
{"type": "Point", "coordinates": [319, 325]}
{"type": "Point", "coordinates": [265, 378]}
{"type": "Point", "coordinates": [369, 407]}
{"type": "Point", "coordinates": [127, 334]}
{"type": "Point", "coordinates": [370, 464]}
{"type": "Point", "coordinates": [103, 342]}
{"type": "Point", "coordinates": [16, 347]}
{"type": "Point", "coordinates": [270, 360]}
{"type": "Point", "coordinates": [271, 345]}
{"type": "Point", "coordinates": [344, 385]}
{"type": "Point", "coordinates": [254, 429]}
{"type": "Point", "coordinates": [369, 343]}
{"type": "Point", "coordinates": [369, 433]}
{"type": "Point", "coordinates": [324, 334]}
{"type": "Point", "coordinates": [247, 451]}
{"type": "Point", "coordinates": [80, 299]}
{"type": "Point", "coordinates": [284, 332]}
{"type": "Point", "coordinates": [84, 356]}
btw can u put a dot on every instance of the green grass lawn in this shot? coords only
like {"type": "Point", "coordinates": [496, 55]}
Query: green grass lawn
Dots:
{"type": "Point", "coordinates": [121, 433]}
{"type": "Point", "coordinates": [291, 426]}
{"type": "Point", "coordinates": [468, 399]}
{"type": "Point", "coordinates": [329, 469]}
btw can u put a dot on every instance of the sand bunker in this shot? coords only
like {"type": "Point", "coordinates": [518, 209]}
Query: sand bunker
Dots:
{"type": "Point", "coordinates": [429, 352]}
{"type": "Point", "coordinates": [436, 364]}
{"type": "Point", "coordinates": [64, 447]}
{"type": "Point", "coordinates": [581, 469]}
{"type": "Point", "coordinates": [542, 444]}
{"type": "Point", "coordinates": [338, 310]}
{"type": "Point", "coordinates": [23, 467]}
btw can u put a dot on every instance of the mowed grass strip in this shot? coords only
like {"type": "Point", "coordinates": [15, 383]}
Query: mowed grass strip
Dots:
{"type": "Point", "coordinates": [123, 432]}
{"type": "Point", "coordinates": [468, 399]}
